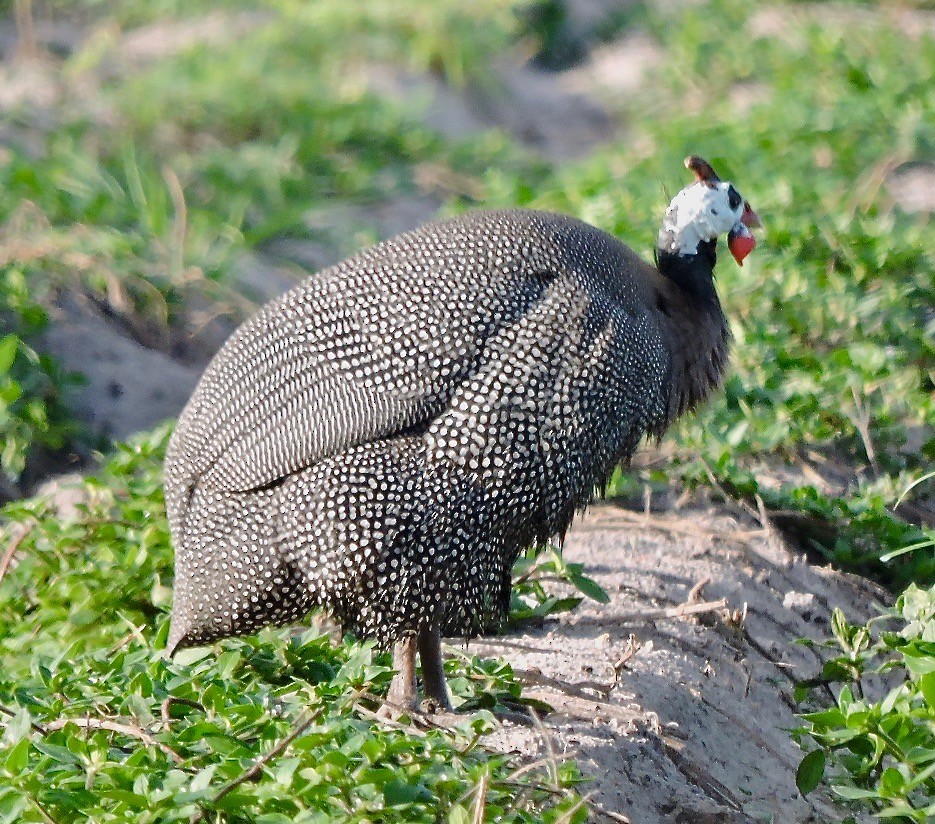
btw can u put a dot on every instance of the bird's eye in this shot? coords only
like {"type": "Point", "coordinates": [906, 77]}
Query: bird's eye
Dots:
{"type": "Point", "coordinates": [733, 197]}
{"type": "Point", "coordinates": [713, 211]}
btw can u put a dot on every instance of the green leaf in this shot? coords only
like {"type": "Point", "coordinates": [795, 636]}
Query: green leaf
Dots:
{"type": "Point", "coordinates": [845, 698]}
{"type": "Point", "coordinates": [841, 629]}
{"type": "Point", "coordinates": [64, 755]}
{"type": "Point", "coordinates": [927, 688]}
{"type": "Point", "coordinates": [188, 657]}
{"type": "Point", "coordinates": [8, 347]}
{"type": "Point", "coordinates": [275, 818]}
{"type": "Point", "coordinates": [889, 702]}
{"type": "Point", "coordinates": [227, 662]}
{"type": "Point", "coordinates": [919, 665]}
{"type": "Point", "coordinates": [203, 779]}
{"type": "Point", "coordinates": [17, 728]}
{"type": "Point", "coordinates": [853, 793]}
{"type": "Point", "coordinates": [458, 815]}
{"type": "Point", "coordinates": [891, 782]}
{"type": "Point", "coordinates": [396, 792]}
{"type": "Point", "coordinates": [832, 717]}
{"type": "Point", "coordinates": [810, 771]}
{"type": "Point", "coordinates": [12, 804]}
{"type": "Point", "coordinates": [284, 770]}
{"type": "Point", "coordinates": [18, 758]}
{"type": "Point", "coordinates": [591, 588]}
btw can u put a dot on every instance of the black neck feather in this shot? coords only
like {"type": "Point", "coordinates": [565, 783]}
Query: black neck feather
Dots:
{"type": "Point", "coordinates": [693, 274]}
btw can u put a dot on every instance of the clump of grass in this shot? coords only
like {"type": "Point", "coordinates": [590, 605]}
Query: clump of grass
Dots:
{"type": "Point", "coordinates": [99, 726]}
{"type": "Point", "coordinates": [33, 418]}
{"type": "Point", "coordinates": [877, 755]}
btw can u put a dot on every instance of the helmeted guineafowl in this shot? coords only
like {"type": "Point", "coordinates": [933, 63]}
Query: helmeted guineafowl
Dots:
{"type": "Point", "coordinates": [385, 438]}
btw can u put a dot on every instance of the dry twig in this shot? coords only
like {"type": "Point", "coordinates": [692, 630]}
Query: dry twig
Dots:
{"type": "Point", "coordinates": [535, 765]}
{"type": "Point", "coordinates": [411, 729]}
{"type": "Point", "coordinates": [13, 546]}
{"type": "Point", "coordinates": [257, 767]}
{"type": "Point", "coordinates": [610, 814]}
{"type": "Point", "coordinates": [694, 594]}
{"type": "Point", "coordinates": [521, 798]}
{"type": "Point", "coordinates": [633, 647]}
{"type": "Point", "coordinates": [179, 224]}
{"type": "Point", "coordinates": [534, 677]}
{"type": "Point", "coordinates": [132, 730]}
{"type": "Point", "coordinates": [43, 812]}
{"type": "Point", "coordinates": [170, 701]}
{"type": "Point", "coordinates": [134, 632]}
{"type": "Point", "coordinates": [552, 760]}
{"type": "Point", "coordinates": [480, 799]}
{"type": "Point", "coordinates": [423, 719]}
{"type": "Point", "coordinates": [861, 421]}
{"type": "Point", "coordinates": [674, 612]}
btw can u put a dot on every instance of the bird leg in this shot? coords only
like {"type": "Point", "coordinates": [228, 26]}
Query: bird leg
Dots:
{"type": "Point", "coordinates": [402, 696]}
{"type": "Point", "coordinates": [434, 685]}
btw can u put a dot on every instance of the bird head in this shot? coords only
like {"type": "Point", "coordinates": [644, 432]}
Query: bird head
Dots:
{"type": "Point", "coordinates": [705, 209]}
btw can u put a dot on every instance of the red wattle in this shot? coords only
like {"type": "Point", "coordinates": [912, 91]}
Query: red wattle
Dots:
{"type": "Point", "coordinates": [740, 246]}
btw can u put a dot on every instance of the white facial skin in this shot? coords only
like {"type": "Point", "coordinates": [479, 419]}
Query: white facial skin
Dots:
{"type": "Point", "coordinates": [699, 212]}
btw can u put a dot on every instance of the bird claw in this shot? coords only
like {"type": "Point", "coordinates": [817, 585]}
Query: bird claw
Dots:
{"type": "Point", "coordinates": [393, 711]}
{"type": "Point", "coordinates": [414, 709]}
{"type": "Point", "coordinates": [433, 705]}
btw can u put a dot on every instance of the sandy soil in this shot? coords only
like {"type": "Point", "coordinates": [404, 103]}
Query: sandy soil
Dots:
{"type": "Point", "coordinates": [682, 718]}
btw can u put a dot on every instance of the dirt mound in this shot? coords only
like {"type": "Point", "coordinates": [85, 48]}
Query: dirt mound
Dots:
{"type": "Point", "coordinates": [677, 697]}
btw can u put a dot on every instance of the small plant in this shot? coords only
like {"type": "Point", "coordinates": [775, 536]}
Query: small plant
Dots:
{"type": "Point", "coordinates": [32, 416]}
{"type": "Point", "coordinates": [928, 541]}
{"type": "Point", "coordinates": [878, 754]}
{"type": "Point", "coordinates": [531, 600]}
{"type": "Point", "coordinates": [95, 725]}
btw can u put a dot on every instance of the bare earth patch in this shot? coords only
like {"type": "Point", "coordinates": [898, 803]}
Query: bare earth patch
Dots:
{"type": "Point", "coordinates": [912, 187]}
{"type": "Point", "coordinates": [682, 718]}
{"type": "Point", "coordinates": [127, 387]}
{"type": "Point", "coordinates": [788, 21]}
{"type": "Point", "coordinates": [548, 112]}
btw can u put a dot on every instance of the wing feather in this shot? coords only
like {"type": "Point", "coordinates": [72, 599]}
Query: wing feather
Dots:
{"type": "Point", "coordinates": [371, 347]}
{"type": "Point", "coordinates": [375, 346]}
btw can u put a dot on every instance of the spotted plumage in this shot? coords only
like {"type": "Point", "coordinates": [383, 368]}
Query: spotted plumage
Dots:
{"type": "Point", "coordinates": [386, 437]}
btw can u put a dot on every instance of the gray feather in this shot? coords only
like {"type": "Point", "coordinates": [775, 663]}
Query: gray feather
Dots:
{"type": "Point", "coordinates": [385, 438]}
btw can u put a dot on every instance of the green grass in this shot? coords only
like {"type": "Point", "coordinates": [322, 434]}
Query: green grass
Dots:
{"type": "Point", "coordinates": [877, 754]}
{"type": "Point", "coordinates": [33, 418]}
{"type": "Point", "coordinates": [82, 626]}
